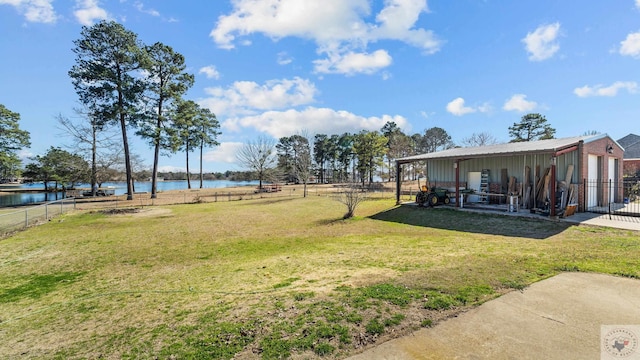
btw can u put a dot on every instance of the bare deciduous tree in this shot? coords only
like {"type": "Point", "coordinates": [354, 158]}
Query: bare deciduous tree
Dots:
{"type": "Point", "coordinates": [479, 139]}
{"type": "Point", "coordinates": [258, 156]}
{"type": "Point", "coordinates": [97, 143]}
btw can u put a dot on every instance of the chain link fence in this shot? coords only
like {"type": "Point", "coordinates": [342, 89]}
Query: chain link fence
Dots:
{"type": "Point", "coordinates": [14, 220]}
{"type": "Point", "coordinates": [11, 221]}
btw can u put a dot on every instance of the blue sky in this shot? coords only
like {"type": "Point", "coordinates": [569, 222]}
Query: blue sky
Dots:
{"type": "Point", "coordinates": [280, 67]}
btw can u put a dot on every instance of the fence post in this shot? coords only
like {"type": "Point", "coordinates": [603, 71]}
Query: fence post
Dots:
{"type": "Point", "coordinates": [46, 211]}
{"type": "Point", "coordinates": [585, 201]}
{"type": "Point", "coordinates": [26, 218]}
{"type": "Point", "coordinates": [215, 196]}
{"type": "Point", "coordinates": [609, 198]}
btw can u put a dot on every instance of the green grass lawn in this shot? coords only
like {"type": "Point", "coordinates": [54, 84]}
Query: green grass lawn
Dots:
{"type": "Point", "coordinates": [272, 278]}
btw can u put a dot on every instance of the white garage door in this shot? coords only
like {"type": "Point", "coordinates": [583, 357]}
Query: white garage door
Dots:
{"type": "Point", "coordinates": [592, 181]}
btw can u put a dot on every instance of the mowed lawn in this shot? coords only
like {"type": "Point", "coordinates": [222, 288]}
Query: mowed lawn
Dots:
{"type": "Point", "coordinates": [272, 278]}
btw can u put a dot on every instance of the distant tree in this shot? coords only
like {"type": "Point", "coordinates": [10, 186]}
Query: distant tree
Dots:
{"type": "Point", "coordinates": [107, 79]}
{"type": "Point", "coordinates": [369, 148]}
{"type": "Point", "coordinates": [320, 154]}
{"type": "Point", "coordinates": [166, 82]}
{"type": "Point", "coordinates": [207, 126]}
{"type": "Point", "coordinates": [10, 166]}
{"type": "Point", "coordinates": [59, 166]}
{"type": "Point", "coordinates": [345, 155]}
{"type": "Point", "coordinates": [258, 156]}
{"type": "Point", "coordinates": [591, 132]}
{"type": "Point", "coordinates": [416, 144]}
{"type": "Point", "coordinates": [479, 139]}
{"type": "Point", "coordinates": [184, 131]}
{"type": "Point", "coordinates": [12, 138]}
{"type": "Point", "coordinates": [393, 133]}
{"type": "Point", "coordinates": [92, 140]}
{"type": "Point", "coordinates": [436, 139]}
{"type": "Point", "coordinates": [286, 158]}
{"type": "Point", "coordinates": [531, 127]}
{"type": "Point", "coordinates": [304, 161]}
{"type": "Point", "coordinates": [293, 157]}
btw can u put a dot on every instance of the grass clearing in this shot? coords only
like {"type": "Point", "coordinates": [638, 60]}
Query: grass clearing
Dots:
{"type": "Point", "coordinates": [272, 279]}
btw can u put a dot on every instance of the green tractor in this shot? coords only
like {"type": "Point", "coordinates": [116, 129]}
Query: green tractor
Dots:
{"type": "Point", "coordinates": [432, 196]}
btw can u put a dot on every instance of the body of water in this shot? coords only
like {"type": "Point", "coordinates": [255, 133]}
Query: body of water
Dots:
{"type": "Point", "coordinates": [15, 199]}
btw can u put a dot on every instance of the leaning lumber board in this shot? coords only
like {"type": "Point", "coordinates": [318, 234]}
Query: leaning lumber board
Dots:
{"type": "Point", "coordinates": [504, 183]}
{"type": "Point", "coordinates": [569, 174]}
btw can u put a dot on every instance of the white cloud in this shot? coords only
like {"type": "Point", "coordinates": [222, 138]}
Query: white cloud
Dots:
{"type": "Point", "coordinates": [225, 153]}
{"type": "Point", "coordinates": [88, 11]}
{"type": "Point", "coordinates": [142, 9]}
{"type": "Point", "coordinates": [541, 44]}
{"type": "Point", "coordinates": [340, 28]}
{"type": "Point", "coordinates": [611, 90]}
{"type": "Point", "coordinates": [169, 168]}
{"type": "Point", "coordinates": [37, 11]}
{"type": "Point", "coordinates": [210, 72]}
{"type": "Point", "coordinates": [457, 108]}
{"type": "Point", "coordinates": [631, 45]}
{"type": "Point", "coordinates": [638, 4]}
{"type": "Point", "coordinates": [248, 97]}
{"type": "Point", "coordinates": [519, 103]}
{"type": "Point", "coordinates": [284, 58]}
{"type": "Point", "coordinates": [426, 114]}
{"type": "Point", "coordinates": [353, 63]}
{"type": "Point", "coordinates": [312, 120]}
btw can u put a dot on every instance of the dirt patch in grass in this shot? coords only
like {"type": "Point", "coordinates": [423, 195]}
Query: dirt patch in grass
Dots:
{"type": "Point", "coordinates": [137, 212]}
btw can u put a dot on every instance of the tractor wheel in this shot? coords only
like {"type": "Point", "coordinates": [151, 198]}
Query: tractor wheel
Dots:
{"type": "Point", "coordinates": [421, 198]}
{"type": "Point", "coordinates": [447, 200]}
{"type": "Point", "coordinates": [432, 199]}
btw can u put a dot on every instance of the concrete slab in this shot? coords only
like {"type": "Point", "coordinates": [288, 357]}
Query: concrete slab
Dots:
{"type": "Point", "coordinates": [613, 221]}
{"type": "Point", "coordinates": [557, 318]}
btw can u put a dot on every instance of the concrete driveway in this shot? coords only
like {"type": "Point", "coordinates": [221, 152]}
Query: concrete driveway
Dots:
{"type": "Point", "coordinates": [557, 318]}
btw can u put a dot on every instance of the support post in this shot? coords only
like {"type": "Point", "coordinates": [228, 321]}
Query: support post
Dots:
{"type": "Point", "coordinates": [552, 189]}
{"type": "Point", "coordinates": [398, 177]}
{"type": "Point", "coordinates": [457, 166]}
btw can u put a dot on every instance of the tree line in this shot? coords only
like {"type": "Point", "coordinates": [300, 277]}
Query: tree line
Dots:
{"type": "Point", "coordinates": [363, 156]}
{"type": "Point", "coordinates": [122, 82]}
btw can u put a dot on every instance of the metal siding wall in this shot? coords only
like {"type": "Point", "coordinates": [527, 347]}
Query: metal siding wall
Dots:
{"type": "Point", "coordinates": [443, 171]}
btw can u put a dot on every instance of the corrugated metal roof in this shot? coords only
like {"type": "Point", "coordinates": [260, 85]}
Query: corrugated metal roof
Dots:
{"type": "Point", "coordinates": [525, 147]}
